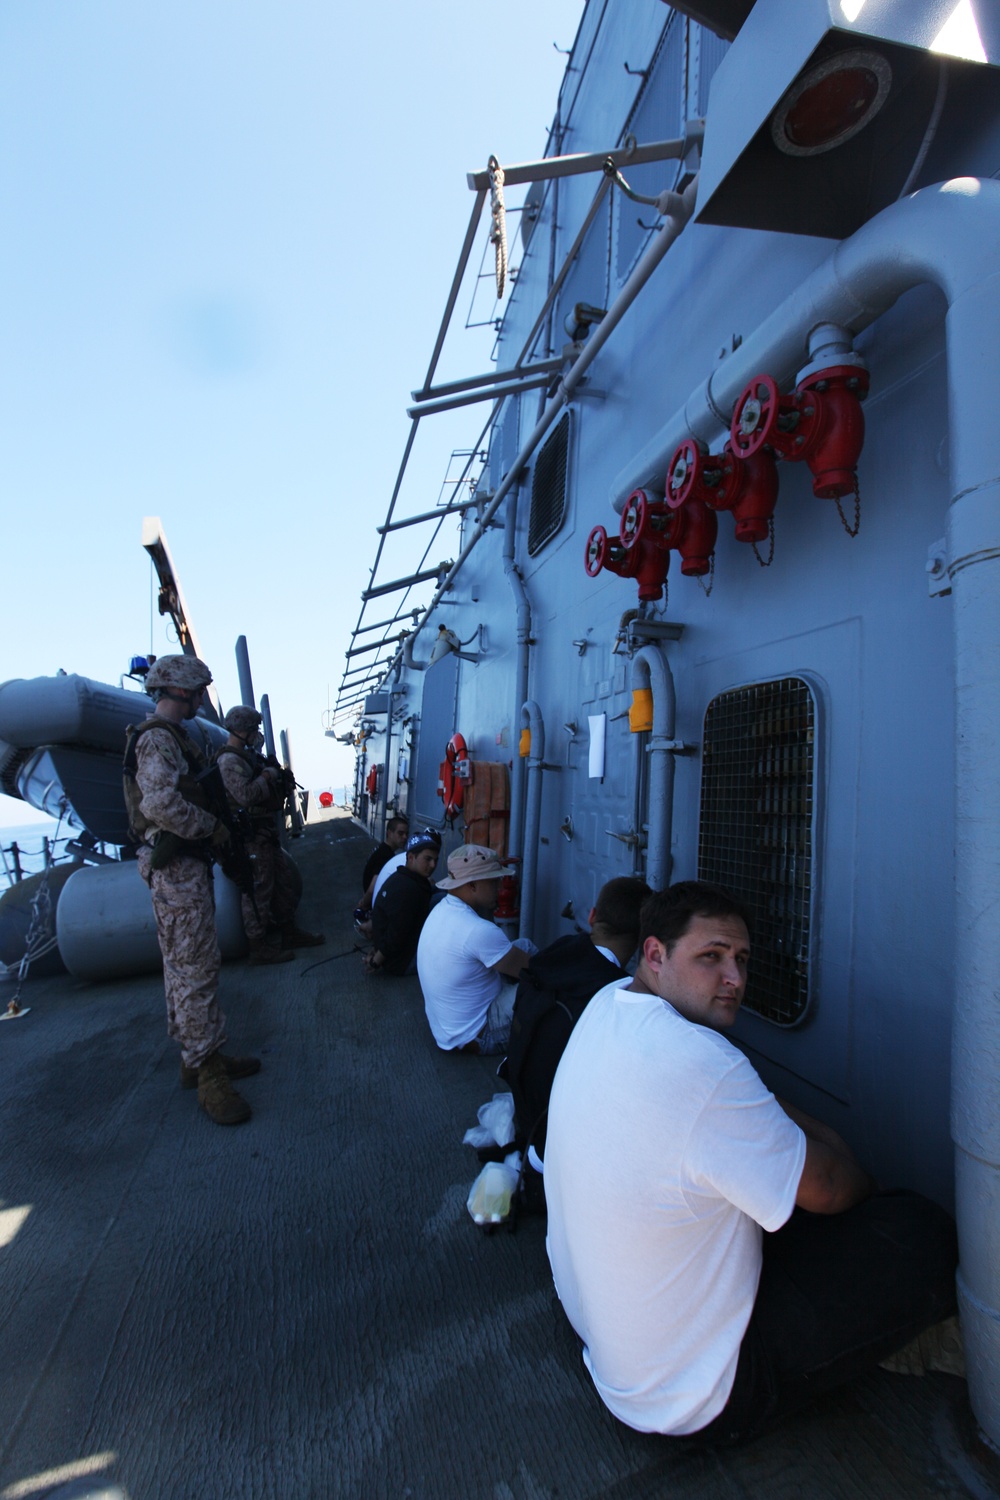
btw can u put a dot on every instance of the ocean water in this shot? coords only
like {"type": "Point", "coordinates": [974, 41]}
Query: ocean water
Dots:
{"type": "Point", "coordinates": [29, 839]}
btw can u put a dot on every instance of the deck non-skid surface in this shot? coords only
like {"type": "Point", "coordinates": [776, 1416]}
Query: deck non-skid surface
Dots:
{"type": "Point", "coordinates": [301, 1306]}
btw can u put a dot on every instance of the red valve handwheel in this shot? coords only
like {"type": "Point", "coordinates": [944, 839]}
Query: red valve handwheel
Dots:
{"type": "Point", "coordinates": [635, 518]}
{"type": "Point", "coordinates": [686, 474]}
{"type": "Point", "coordinates": [596, 554]}
{"type": "Point", "coordinates": [755, 416]}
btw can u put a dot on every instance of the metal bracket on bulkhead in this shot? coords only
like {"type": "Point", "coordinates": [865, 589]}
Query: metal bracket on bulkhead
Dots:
{"type": "Point", "coordinates": [642, 632]}
{"type": "Point", "coordinates": [677, 746]}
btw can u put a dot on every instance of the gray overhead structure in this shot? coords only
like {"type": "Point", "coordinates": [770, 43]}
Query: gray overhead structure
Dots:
{"type": "Point", "coordinates": [827, 110]}
{"type": "Point", "coordinates": [724, 17]}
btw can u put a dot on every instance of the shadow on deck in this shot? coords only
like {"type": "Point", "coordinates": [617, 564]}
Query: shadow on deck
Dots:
{"type": "Point", "coordinates": [302, 1307]}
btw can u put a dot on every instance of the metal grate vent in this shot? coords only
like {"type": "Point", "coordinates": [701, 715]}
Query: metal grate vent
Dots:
{"type": "Point", "coordinates": [756, 834]}
{"type": "Point", "coordinates": [548, 488]}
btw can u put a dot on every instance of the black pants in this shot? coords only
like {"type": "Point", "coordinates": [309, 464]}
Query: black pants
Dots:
{"type": "Point", "coordinates": [837, 1293]}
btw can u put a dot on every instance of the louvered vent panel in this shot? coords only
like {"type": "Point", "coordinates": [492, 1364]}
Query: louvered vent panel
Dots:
{"type": "Point", "coordinates": [548, 488]}
{"type": "Point", "coordinates": [756, 833]}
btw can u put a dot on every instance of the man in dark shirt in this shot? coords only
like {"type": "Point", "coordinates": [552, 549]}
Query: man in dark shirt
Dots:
{"type": "Point", "coordinates": [402, 906]}
{"type": "Point", "coordinates": [396, 833]}
{"type": "Point", "coordinates": [552, 994]}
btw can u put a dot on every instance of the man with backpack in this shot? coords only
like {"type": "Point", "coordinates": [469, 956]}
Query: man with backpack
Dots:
{"type": "Point", "coordinates": [254, 789]}
{"type": "Point", "coordinates": [552, 994]}
{"type": "Point", "coordinates": [178, 837]}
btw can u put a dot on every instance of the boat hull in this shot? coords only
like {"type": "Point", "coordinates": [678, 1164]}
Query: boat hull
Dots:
{"type": "Point", "coordinates": [107, 930]}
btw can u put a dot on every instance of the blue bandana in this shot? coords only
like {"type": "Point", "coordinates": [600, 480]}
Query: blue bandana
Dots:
{"type": "Point", "coordinates": [427, 838]}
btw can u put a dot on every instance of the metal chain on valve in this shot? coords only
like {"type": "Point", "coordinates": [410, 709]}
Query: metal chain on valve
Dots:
{"type": "Point", "coordinates": [851, 531]}
{"type": "Point", "coordinates": [707, 588]}
{"type": "Point", "coordinates": [498, 213]}
{"type": "Point", "coordinates": [770, 552]}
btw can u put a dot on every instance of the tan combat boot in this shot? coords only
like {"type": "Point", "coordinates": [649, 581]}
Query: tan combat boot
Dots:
{"type": "Point", "coordinates": [236, 1067]}
{"type": "Point", "coordinates": [262, 953]}
{"type": "Point", "coordinates": [216, 1095]}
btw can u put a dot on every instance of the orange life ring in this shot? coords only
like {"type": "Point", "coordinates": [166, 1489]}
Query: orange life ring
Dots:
{"type": "Point", "coordinates": [452, 779]}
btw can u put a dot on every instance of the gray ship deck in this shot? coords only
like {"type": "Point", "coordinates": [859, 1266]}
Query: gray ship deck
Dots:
{"type": "Point", "coordinates": [301, 1307]}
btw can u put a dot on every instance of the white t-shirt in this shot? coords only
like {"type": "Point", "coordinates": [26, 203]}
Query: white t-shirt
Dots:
{"type": "Point", "coordinates": [455, 958]}
{"type": "Point", "coordinates": [396, 862]}
{"type": "Point", "coordinates": [665, 1157]}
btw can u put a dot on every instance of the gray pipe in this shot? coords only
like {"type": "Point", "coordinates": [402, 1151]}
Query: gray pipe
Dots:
{"type": "Point", "coordinates": [265, 710]}
{"type": "Point", "coordinates": [946, 235]}
{"type": "Point", "coordinates": [531, 719]}
{"type": "Point", "coordinates": [295, 815]}
{"type": "Point", "coordinates": [650, 669]}
{"type": "Point", "coordinates": [638, 757]}
{"type": "Point", "coordinates": [494, 378]}
{"type": "Point", "coordinates": [243, 668]}
{"type": "Point", "coordinates": [523, 606]}
{"type": "Point", "coordinates": [529, 382]}
{"type": "Point", "coordinates": [408, 659]}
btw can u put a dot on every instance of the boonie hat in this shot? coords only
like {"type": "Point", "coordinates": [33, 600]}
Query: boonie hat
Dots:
{"type": "Point", "coordinates": [472, 862]}
{"type": "Point", "coordinates": [188, 672]}
{"type": "Point", "coordinates": [242, 719]}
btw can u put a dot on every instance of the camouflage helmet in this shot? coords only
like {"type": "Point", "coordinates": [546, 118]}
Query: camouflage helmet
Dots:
{"type": "Point", "coordinates": [242, 720]}
{"type": "Point", "coordinates": [188, 673]}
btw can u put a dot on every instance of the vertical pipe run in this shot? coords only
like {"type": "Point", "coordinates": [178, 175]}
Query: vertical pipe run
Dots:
{"type": "Point", "coordinates": [265, 710]}
{"type": "Point", "coordinates": [390, 685]}
{"type": "Point", "coordinates": [973, 333]}
{"type": "Point", "coordinates": [650, 669]}
{"type": "Point", "coordinates": [385, 780]}
{"type": "Point", "coordinates": [531, 719]}
{"type": "Point", "coordinates": [295, 814]}
{"type": "Point", "coordinates": [515, 844]}
{"type": "Point", "coordinates": [637, 780]}
{"type": "Point", "coordinates": [243, 668]}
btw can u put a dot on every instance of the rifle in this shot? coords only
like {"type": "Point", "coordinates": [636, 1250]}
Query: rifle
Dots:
{"type": "Point", "coordinates": [234, 857]}
{"type": "Point", "coordinates": [287, 786]}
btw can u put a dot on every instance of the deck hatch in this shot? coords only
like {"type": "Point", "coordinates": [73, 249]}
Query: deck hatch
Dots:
{"type": "Point", "coordinates": [756, 831]}
{"type": "Point", "coordinates": [548, 488]}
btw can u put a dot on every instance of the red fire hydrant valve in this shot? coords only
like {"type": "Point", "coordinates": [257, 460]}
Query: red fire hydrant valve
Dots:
{"type": "Point", "coordinates": [748, 487]}
{"type": "Point", "coordinates": [687, 527]}
{"type": "Point", "coordinates": [838, 435]}
{"type": "Point", "coordinates": [820, 423]}
{"type": "Point", "coordinates": [646, 563]}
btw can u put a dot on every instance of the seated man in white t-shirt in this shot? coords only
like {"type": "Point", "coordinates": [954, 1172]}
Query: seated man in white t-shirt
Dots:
{"type": "Point", "coordinates": [666, 1158]}
{"type": "Point", "coordinates": [393, 863]}
{"type": "Point", "coordinates": [463, 957]}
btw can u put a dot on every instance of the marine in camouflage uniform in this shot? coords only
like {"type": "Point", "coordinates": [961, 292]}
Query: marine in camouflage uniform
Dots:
{"type": "Point", "coordinates": [178, 833]}
{"type": "Point", "coordinates": [257, 790]}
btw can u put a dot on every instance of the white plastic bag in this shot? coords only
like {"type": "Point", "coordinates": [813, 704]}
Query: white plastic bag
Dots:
{"type": "Point", "coordinates": [491, 1193]}
{"type": "Point", "coordinates": [496, 1123]}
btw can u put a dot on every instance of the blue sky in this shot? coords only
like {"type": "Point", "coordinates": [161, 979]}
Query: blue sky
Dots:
{"type": "Point", "coordinates": [229, 230]}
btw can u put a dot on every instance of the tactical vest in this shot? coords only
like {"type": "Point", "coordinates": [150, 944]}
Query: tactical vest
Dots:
{"type": "Point", "coordinates": [139, 824]}
{"type": "Point", "coordinates": [261, 816]}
